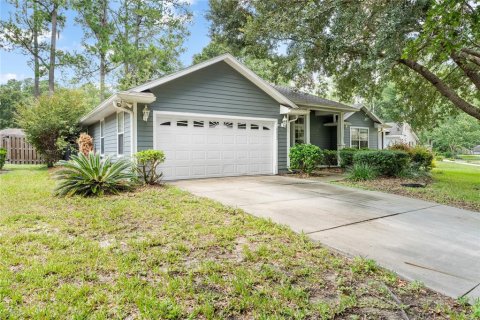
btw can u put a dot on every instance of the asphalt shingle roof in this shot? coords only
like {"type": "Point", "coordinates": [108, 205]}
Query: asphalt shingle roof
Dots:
{"type": "Point", "coordinates": [302, 98]}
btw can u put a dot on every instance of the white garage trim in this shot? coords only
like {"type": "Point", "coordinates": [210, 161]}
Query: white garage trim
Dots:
{"type": "Point", "coordinates": [219, 116]}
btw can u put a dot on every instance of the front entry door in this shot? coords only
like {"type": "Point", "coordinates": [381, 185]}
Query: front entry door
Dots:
{"type": "Point", "coordinates": [298, 131]}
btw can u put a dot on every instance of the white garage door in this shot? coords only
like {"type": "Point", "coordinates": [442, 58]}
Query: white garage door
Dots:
{"type": "Point", "coordinates": [214, 146]}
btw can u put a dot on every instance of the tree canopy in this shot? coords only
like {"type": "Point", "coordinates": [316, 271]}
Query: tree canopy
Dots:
{"type": "Point", "coordinates": [428, 50]}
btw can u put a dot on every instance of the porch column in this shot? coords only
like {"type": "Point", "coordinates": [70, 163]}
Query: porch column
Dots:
{"type": "Point", "coordinates": [340, 134]}
{"type": "Point", "coordinates": [340, 131]}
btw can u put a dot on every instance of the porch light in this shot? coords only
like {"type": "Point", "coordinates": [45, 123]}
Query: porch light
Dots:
{"type": "Point", "coordinates": [146, 113]}
{"type": "Point", "coordinates": [284, 122]}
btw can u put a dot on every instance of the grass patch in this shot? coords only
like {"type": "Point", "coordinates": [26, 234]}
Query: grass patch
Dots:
{"type": "Point", "coordinates": [162, 253]}
{"type": "Point", "coordinates": [452, 184]}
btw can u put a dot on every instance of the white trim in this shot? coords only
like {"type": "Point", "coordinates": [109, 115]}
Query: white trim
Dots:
{"type": "Point", "coordinates": [288, 142]}
{"type": "Point", "coordinates": [120, 133]}
{"type": "Point", "coordinates": [368, 135]}
{"type": "Point", "coordinates": [369, 113]}
{"type": "Point", "coordinates": [102, 137]}
{"type": "Point", "coordinates": [207, 115]}
{"type": "Point", "coordinates": [219, 116]}
{"type": "Point", "coordinates": [307, 128]}
{"type": "Point", "coordinates": [231, 61]}
{"type": "Point", "coordinates": [133, 129]}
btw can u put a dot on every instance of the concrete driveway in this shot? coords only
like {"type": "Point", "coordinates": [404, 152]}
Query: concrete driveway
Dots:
{"type": "Point", "coordinates": [425, 241]}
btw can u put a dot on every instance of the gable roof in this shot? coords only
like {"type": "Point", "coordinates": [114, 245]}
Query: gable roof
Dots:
{"type": "Point", "coordinates": [307, 99]}
{"type": "Point", "coordinates": [231, 61]}
{"type": "Point", "coordinates": [285, 96]}
{"type": "Point", "coordinates": [369, 113]}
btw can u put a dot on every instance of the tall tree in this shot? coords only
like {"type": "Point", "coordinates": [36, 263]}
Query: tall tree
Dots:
{"type": "Point", "coordinates": [148, 38]}
{"type": "Point", "coordinates": [25, 29]}
{"type": "Point", "coordinates": [427, 49]}
{"type": "Point", "coordinates": [52, 10]}
{"type": "Point", "coordinates": [94, 16]}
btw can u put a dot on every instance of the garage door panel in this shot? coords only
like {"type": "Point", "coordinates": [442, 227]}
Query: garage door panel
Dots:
{"type": "Point", "coordinates": [202, 146]}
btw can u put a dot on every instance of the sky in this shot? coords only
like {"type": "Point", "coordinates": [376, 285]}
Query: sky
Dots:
{"type": "Point", "coordinates": [13, 64]}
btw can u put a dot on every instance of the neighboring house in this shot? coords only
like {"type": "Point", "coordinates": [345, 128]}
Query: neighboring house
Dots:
{"type": "Point", "coordinates": [476, 150]}
{"type": "Point", "coordinates": [400, 133]}
{"type": "Point", "coordinates": [218, 118]}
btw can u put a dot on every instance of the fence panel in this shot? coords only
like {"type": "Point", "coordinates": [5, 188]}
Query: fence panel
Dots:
{"type": "Point", "coordinates": [19, 151]}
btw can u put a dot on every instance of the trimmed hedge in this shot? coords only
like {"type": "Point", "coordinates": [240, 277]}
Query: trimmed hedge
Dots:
{"type": "Point", "coordinates": [305, 157]}
{"type": "Point", "coordinates": [421, 157]}
{"type": "Point", "coordinates": [346, 156]}
{"type": "Point", "coordinates": [387, 162]}
{"type": "Point", "coordinates": [329, 158]}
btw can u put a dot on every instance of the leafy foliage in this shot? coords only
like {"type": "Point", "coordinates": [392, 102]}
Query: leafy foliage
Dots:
{"type": "Point", "coordinates": [147, 165]}
{"type": "Point", "coordinates": [85, 143]}
{"type": "Point", "coordinates": [362, 172]}
{"type": "Point", "coordinates": [89, 175]}
{"type": "Point", "coordinates": [51, 122]}
{"type": "Point", "coordinates": [426, 51]}
{"type": "Point", "coordinates": [329, 158]}
{"type": "Point", "coordinates": [346, 156]}
{"type": "Point", "coordinates": [3, 156]}
{"type": "Point", "coordinates": [305, 157]}
{"type": "Point", "coordinates": [387, 162]}
{"type": "Point", "coordinates": [421, 158]}
{"type": "Point", "coordinates": [455, 135]}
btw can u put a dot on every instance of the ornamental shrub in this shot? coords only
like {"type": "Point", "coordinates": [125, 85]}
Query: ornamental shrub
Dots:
{"type": "Point", "coordinates": [89, 175]}
{"type": "Point", "coordinates": [85, 143]}
{"type": "Point", "coordinates": [329, 157]}
{"type": "Point", "coordinates": [147, 163]}
{"type": "Point", "coordinates": [3, 157]}
{"type": "Point", "coordinates": [387, 162]}
{"type": "Point", "coordinates": [421, 158]}
{"type": "Point", "coordinates": [346, 157]}
{"type": "Point", "coordinates": [305, 157]}
{"type": "Point", "coordinates": [362, 172]}
{"type": "Point", "coordinates": [400, 146]}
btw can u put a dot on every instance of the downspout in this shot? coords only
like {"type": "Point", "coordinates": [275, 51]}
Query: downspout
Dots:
{"type": "Point", "coordinates": [130, 112]}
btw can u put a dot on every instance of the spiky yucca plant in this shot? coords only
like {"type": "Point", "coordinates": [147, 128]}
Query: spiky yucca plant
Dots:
{"type": "Point", "coordinates": [89, 175]}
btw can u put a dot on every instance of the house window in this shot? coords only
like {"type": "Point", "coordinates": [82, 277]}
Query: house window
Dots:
{"type": "Point", "coordinates": [359, 138]}
{"type": "Point", "coordinates": [102, 138]}
{"type": "Point", "coordinates": [298, 132]}
{"type": "Point", "coordinates": [120, 132]}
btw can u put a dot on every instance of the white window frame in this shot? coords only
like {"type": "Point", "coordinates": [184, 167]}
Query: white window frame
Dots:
{"type": "Point", "coordinates": [102, 137]}
{"type": "Point", "coordinates": [368, 137]}
{"type": "Point", "coordinates": [121, 133]}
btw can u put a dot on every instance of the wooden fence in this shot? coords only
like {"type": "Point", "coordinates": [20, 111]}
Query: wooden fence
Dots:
{"type": "Point", "coordinates": [19, 151]}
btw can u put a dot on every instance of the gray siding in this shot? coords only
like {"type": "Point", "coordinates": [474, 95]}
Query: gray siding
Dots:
{"type": "Point", "coordinates": [320, 135]}
{"type": "Point", "coordinates": [217, 89]}
{"type": "Point", "coordinates": [110, 135]}
{"type": "Point", "coordinates": [361, 119]}
{"type": "Point", "coordinates": [94, 132]}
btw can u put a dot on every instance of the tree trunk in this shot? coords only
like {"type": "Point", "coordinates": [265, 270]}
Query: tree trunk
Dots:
{"type": "Point", "coordinates": [53, 47]}
{"type": "Point", "coordinates": [102, 76]}
{"type": "Point", "coordinates": [443, 88]}
{"type": "Point", "coordinates": [36, 63]}
{"type": "Point", "coordinates": [103, 55]}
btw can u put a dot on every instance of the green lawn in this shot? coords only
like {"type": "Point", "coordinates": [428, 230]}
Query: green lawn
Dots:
{"type": "Point", "coordinates": [458, 183]}
{"type": "Point", "coordinates": [452, 184]}
{"type": "Point", "coordinates": [163, 253]}
{"type": "Point", "coordinates": [470, 158]}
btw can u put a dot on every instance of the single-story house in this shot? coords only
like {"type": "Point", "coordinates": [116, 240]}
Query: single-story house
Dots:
{"type": "Point", "coordinates": [476, 149]}
{"type": "Point", "coordinates": [397, 132]}
{"type": "Point", "coordinates": [218, 118]}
